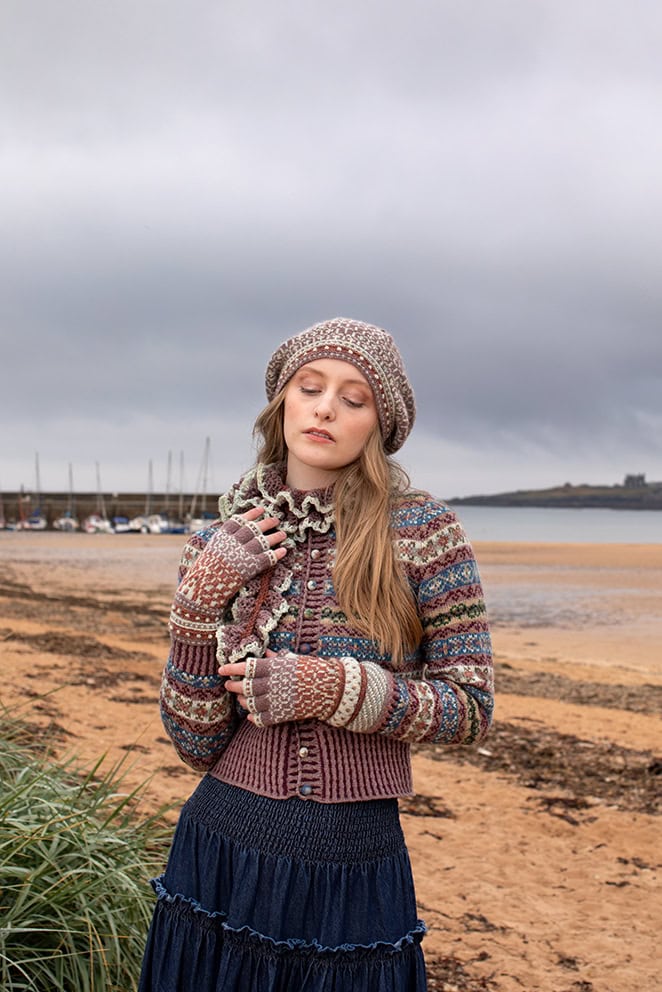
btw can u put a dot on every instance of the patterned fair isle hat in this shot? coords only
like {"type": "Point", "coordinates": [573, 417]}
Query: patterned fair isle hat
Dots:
{"type": "Point", "coordinates": [375, 355]}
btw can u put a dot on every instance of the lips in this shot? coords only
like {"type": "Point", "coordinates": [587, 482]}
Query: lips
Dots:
{"type": "Point", "coordinates": [315, 432]}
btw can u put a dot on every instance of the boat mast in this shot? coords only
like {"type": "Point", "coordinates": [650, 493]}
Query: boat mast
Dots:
{"type": "Point", "coordinates": [101, 506]}
{"type": "Point", "coordinates": [37, 481]}
{"type": "Point", "coordinates": [181, 486]}
{"type": "Point", "coordinates": [71, 491]}
{"type": "Point", "coordinates": [23, 497]}
{"type": "Point", "coordinates": [168, 483]}
{"type": "Point", "coordinates": [150, 487]}
{"type": "Point", "coordinates": [202, 475]}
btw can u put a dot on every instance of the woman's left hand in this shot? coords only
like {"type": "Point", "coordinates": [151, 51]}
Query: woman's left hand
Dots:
{"type": "Point", "coordinates": [234, 674]}
{"type": "Point", "coordinates": [284, 686]}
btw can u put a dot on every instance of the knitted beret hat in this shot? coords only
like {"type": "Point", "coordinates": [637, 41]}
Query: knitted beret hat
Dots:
{"type": "Point", "coordinates": [372, 351]}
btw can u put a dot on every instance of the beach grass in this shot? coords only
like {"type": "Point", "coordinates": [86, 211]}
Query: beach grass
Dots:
{"type": "Point", "coordinates": [75, 860]}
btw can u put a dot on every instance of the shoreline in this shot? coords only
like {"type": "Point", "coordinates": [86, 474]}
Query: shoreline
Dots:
{"type": "Point", "coordinates": [528, 851]}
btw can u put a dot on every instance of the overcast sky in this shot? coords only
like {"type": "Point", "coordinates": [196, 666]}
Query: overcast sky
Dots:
{"type": "Point", "coordinates": [184, 185]}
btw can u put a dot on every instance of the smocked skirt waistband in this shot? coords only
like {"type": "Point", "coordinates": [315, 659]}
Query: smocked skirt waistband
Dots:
{"type": "Point", "coordinates": [276, 895]}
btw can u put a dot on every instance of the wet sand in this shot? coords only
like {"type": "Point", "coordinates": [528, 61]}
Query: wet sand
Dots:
{"type": "Point", "coordinates": [537, 855]}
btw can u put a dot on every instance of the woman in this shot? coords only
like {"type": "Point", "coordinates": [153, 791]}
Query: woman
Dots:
{"type": "Point", "coordinates": [328, 619]}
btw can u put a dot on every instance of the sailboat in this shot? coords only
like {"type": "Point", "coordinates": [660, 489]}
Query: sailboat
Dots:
{"type": "Point", "coordinates": [149, 522]}
{"type": "Point", "coordinates": [203, 517]}
{"type": "Point", "coordinates": [174, 523]}
{"type": "Point", "coordinates": [98, 523]}
{"type": "Point", "coordinates": [35, 519]}
{"type": "Point", "coordinates": [68, 521]}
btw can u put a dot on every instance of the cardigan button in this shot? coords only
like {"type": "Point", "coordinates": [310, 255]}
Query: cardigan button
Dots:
{"type": "Point", "coordinates": [315, 553]}
{"type": "Point", "coordinates": [305, 649]}
{"type": "Point", "coordinates": [311, 584]}
{"type": "Point", "coordinates": [305, 790]}
{"type": "Point", "coordinates": [303, 752]}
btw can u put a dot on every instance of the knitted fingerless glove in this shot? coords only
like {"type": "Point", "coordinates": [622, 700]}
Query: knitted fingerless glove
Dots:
{"type": "Point", "coordinates": [237, 552]}
{"type": "Point", "coordinates": [288, 686]}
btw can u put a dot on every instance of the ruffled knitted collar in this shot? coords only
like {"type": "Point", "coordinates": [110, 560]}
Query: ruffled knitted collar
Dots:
{"type": "Point", "coordinates": [297, 510]}
{"type": "Point", "coordinates": [261, 603]}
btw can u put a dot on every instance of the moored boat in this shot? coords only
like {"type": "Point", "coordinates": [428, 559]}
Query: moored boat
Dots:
{"type": "Point", "coordinates": [96, 524]}
{"type": "Point", "coordinates": [66, 523]}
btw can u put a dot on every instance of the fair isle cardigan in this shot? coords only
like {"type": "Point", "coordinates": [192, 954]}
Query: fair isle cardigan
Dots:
{"type": "Point", "coordinates": [441, 693]}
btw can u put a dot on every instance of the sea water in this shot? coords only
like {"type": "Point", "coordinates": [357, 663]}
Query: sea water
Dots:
{"type": "Point", "coordinates": [553, 524]}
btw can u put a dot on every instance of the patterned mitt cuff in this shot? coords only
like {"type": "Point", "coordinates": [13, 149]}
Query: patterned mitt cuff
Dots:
{"type": "Point", "coordinates": [353, 693]}
{"type": "Point", "coordinates": [373, 707]}
{"type": "Point", "coordinates": [191, 622]}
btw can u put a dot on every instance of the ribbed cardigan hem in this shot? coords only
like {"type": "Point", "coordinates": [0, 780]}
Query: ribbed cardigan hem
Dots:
{"type": "Point", "coordinates": [258, 790]}
{"type": "Point", "coordinates": [312, 760]}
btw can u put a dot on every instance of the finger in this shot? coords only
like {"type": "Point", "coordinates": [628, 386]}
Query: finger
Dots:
{"type": "Point", "coordinates": [252, 527]}
{"type": "Point", "coordinates": [277, 537]}
{"type": "Point", "coordinates": [259, 704]}
{"type": "Point", "coordinates": [270, 524]}
{"type": "Point", "coordinates": [267, 523]}
{"type": "Point", "coordinates": [236, 668]}
{"type": "Point", "coordinates": [273, 554]}
{"type": "Point", "coordinates": [254, 513]}
{"type": "Point", "coordinates": [236, 687]}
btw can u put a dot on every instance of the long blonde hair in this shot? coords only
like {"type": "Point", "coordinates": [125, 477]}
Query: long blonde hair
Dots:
{"type": "Point", "coordinates": [369, 581]}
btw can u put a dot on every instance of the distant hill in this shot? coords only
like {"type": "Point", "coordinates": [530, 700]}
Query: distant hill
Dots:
{"type": "Point", "coordinates": [638, 496]}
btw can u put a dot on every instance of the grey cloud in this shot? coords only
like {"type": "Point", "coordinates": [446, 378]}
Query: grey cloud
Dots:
{"type": "Point", "coordinates": [184, 187]}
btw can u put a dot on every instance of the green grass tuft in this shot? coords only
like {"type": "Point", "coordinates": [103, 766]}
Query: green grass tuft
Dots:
{"type": "Point", "coordinates": [75, 860]}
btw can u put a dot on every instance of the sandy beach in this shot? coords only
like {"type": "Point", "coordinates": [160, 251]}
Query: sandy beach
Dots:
{"type": "Point", "coordinates": [537, 855]}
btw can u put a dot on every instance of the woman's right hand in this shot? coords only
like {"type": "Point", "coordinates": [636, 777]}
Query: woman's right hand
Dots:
{"type": "Point", "coordinates": [254, 534]}
{"type": "Point", "coordinates": [244, 546]}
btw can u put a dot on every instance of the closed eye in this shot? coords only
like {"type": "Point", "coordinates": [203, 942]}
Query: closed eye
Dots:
{"type": "Point", "coordinates": [316, 391]}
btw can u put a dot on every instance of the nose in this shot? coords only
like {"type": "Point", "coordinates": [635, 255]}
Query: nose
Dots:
{"type": "Point", "coordinates": [325, 409]}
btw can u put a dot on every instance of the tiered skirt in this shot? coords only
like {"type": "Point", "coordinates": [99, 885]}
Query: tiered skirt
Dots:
{"type": "Point", "coordinates": [265, 895]}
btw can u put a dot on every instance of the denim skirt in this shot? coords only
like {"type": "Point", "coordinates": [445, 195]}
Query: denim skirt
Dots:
{"type": "Point", "coordinates": [267, 895]}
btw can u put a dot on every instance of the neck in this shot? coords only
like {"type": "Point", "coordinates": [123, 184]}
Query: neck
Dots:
{"type": "Point", "coordinates": [305, 478]}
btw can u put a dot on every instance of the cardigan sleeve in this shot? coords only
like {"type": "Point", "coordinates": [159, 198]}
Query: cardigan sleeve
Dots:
{"type": "Point", "coordinates": [444, 692]}
{"type": "Point", "coordinates": [199, 715]}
